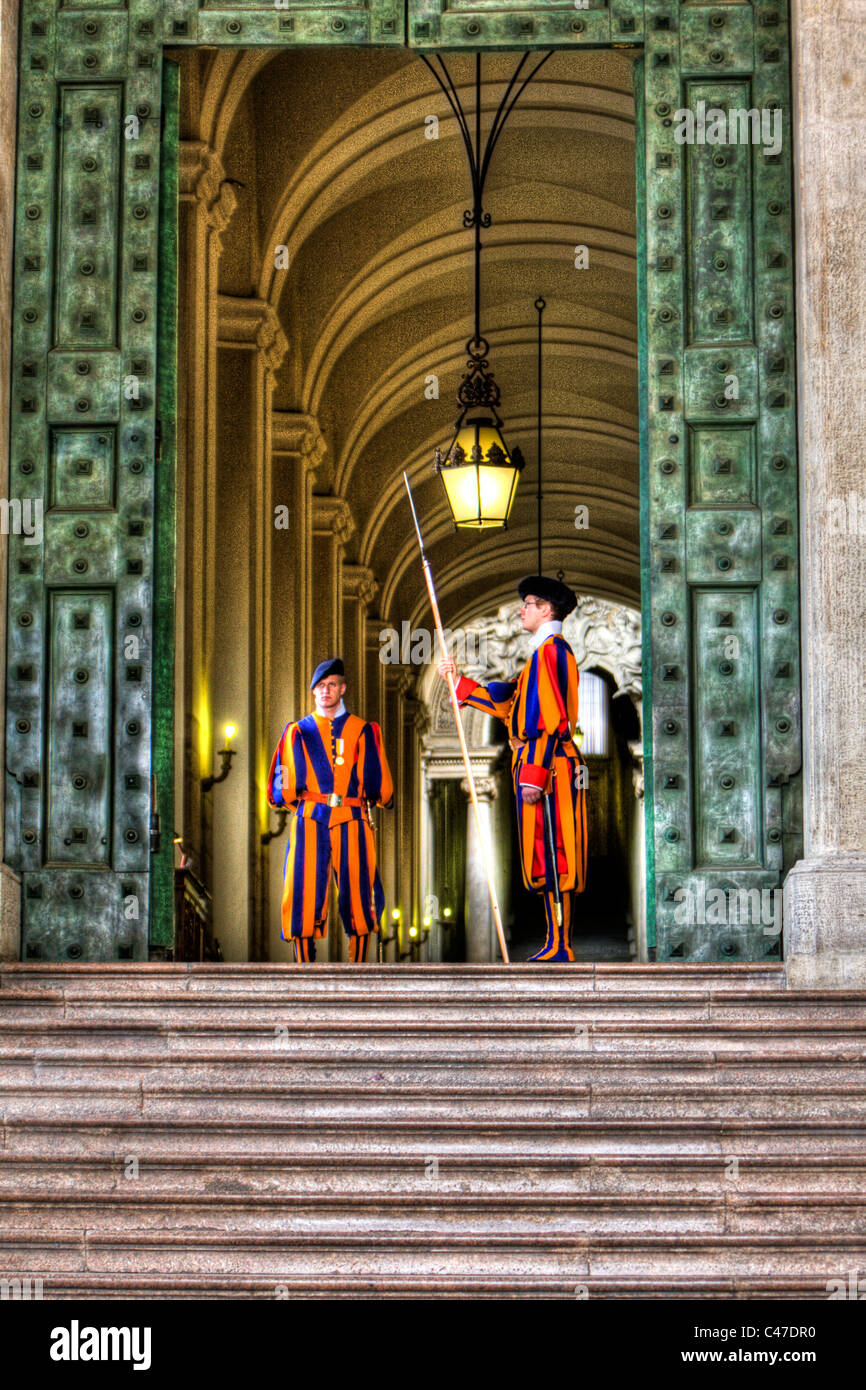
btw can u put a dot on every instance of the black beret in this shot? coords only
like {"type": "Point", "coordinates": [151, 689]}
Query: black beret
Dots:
{"type": "Point", "coordinates": [551, 589]}
{"type": "Point", "coordinates": [332, 667]}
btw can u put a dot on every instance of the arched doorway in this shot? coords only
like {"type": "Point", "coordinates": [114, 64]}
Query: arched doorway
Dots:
{"type": "Point", "coordinates": [296, 388]}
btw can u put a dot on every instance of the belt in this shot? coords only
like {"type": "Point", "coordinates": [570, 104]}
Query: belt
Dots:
{"type": "Point", "coordinates": [516, 744]}
{"type": "Point", "coordinates": [332, 799]}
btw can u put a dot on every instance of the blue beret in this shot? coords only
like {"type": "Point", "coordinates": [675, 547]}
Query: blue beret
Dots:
{"type": "Point", "coordinates": [332, 667]}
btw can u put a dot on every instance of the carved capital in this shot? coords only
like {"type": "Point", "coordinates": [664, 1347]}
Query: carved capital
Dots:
{"type": "Point", "coordinates": [294, 433]}
{"type": "Point", "coordinates": [251, 323]}
{"type": "Point", "coordinates": [359, 582]}
{"type": "Point", "coordinates": [202, 181]}
{"type": "Point", "coordinates": [333, 515]}
{"type": "Point", "coordinates": [406, 684]}
{"type": "Point", "coordinates": [485, 787]}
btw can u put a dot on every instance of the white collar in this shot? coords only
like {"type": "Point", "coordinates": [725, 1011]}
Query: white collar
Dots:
{"type": "Point", "coordinates": [548, 629]}
{"type": "Point", "coordinates": [341, 709]}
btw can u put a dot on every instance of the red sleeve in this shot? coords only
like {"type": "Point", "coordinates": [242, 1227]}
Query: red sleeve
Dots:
{"type": "Point", "coordinates": [531, 775]}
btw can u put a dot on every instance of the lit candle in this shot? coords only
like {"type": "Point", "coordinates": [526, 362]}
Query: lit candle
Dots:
{"type": "Point", "coordinates": [230, 730]}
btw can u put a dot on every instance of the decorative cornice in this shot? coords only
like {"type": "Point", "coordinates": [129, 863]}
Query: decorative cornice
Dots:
{"type": "Point", "coordinates": [294, 433]}
{"type": "Point", "coordinates": [251, 323]}
{"type": "Point", "coordinates": [334, 515]}
{"type": "Point", "coordinates": [360, 582]}
{"type": "Point", "coordinates": [202, 181]}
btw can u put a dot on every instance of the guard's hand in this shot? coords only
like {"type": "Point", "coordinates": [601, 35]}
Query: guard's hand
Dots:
{"type": "Point", "coordinates": [446, 667]}
{"type": "Point", "coordinates": [531, 795]}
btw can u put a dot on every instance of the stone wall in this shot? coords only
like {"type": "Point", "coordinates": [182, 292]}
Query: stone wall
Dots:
{"type": "Point", "coordinates": [9, 885]}
{"type": "Point", "coordinates": [825, 894]}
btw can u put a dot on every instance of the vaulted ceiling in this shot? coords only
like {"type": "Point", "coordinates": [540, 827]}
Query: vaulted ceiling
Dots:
{"type": "Point", "coordinates": [330, 157]}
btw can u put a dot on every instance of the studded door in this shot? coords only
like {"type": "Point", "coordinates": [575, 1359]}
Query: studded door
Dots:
{"type": "Point", "coordinates": [719, 491]}
{"type": "Point", "coordinates": [719, 522]}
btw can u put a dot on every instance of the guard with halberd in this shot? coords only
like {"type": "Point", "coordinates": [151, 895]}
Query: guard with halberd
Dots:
{"type": "Point", "coordinates": [539, 709]}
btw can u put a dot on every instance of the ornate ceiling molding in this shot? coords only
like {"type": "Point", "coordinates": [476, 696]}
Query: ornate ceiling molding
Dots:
{"type": "Point", "coordinates": [402, 389]}
{"type": "Point", "coordinates": [411, 266]}
{"type": "Point", "coordinates": [229, 77]}
{"type": "Point", "coordinates": [384, 127]}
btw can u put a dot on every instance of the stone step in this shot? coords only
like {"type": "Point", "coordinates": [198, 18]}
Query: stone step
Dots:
{"type": "Point", "coordinates": [567, 1139]}
{"type": "Point", "coordinates": [419, 1038]}
{"type": "Point", "coordinates": [297, 1011]}
{"type": "Point", "coordinates": [327, 1217]}
{"type": "Point", "coordinates": [410, 1254]}
{"type": "Point", "coordinates": [191, 1288]}
{"type": "Point", "coordinates": [171, 1099]}
{"type": "Point", "coordinates": [589, 1067]}
{"type": "Point", "coordinates": [483, 1173]}
{"type": "Point", "coordinates": [466, 980]}
{"type": "Point", "coordinates": [420, 1131]}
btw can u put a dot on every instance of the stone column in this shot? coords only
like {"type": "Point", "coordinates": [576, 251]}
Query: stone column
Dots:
{"type": "Point", "coordinates": [359, 590]}
{"type": "Point", "coordinates": [10, 884]}
{"type": "Point", "coordinates": [389, 855]}
{"type": "Point", "coordinates": [414, 723]}
{"type": "Point", "coordinates": [480, 927]}
{"type": "Point", "coordinates": [206, 205]}
{"type": "Point", "coordinates": [430, 845]}
{"type": "Point", "coordinates": [252, 346]}
{"type": "Point", "coordinates": [332, 527]}
{"type": "Point", "coordinates": [825, 893]}
{"type": "Point", "coordinates": [298, 448]}
{"type": "Point", "coordinates": [373, 668]}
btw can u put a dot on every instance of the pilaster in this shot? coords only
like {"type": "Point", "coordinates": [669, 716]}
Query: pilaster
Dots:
{"type": "Point", "coordinates": [251, 348]}
{"type": "Point", "coordinates": [206, 205]}
{"type": "Point", "coordinates": [333, 525]}
{"type": "Point", "coordinates": [359, 591]}
{"type": "Point", "coordinates": [825, 893]}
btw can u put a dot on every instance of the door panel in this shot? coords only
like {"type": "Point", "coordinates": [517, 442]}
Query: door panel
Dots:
{"type": "Point", "coordinates": [719, 499]}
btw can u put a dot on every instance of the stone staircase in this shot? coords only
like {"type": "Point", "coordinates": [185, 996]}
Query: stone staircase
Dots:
{"type": "Point", "coordinates": [613, 1131]}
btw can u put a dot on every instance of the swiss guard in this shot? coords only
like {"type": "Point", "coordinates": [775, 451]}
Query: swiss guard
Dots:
{"type": "Point", "coordinates": [539, 710]}
{"type": "Point", "coordinates": [328, 770]}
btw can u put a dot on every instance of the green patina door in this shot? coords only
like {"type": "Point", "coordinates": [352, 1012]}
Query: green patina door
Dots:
{"type": "Point", "coordinates": [91, 590]}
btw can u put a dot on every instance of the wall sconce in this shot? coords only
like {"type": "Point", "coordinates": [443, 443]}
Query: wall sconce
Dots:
{"type": "Point", "coordinates": [226, 754]}
{"type": "Point", "coordinates": [416, 941]}
{"type": "Point", "coordinates": [385, 937]}
{"type": "Point", "coordinates": [282, 817]}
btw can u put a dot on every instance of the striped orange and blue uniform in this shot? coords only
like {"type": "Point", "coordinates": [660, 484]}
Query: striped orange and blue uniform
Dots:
{"type": "Point", "coordinates": [305, 766]}
{"type": "Point", "coordinates": [539, 710]}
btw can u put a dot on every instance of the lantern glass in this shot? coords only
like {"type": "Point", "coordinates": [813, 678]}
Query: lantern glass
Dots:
{"type": "Point", "coordinates": [480, 494]}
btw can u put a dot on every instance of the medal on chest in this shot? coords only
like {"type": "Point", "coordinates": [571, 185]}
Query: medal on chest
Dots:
{"type": "Point", "coordinates": [338, 752]}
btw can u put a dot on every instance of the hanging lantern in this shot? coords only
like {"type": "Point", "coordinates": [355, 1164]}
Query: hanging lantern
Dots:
{"type": "Point", "coordinates": [479, 472]}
